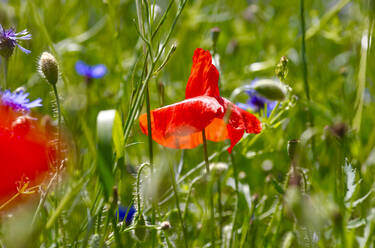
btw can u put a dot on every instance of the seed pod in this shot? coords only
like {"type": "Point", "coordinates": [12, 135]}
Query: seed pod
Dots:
{"type": "Point", "coordinates": [165, 225]}
{"type": "Point", "coordinates": [281, 69]}
{"type": "Point", "coordinates": [49, 68]}
{"type": "Point", "coordinates": [215, 35]}
{"type": "Point", "coordinates": [270, 89]}
{"type": "Point", "coordinates": [292, 147]}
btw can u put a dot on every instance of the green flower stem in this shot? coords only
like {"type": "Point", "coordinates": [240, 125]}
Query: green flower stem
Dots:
{"type": "Point", "coordinates": [211, 196]}
{"type": "Point", "coordinates": [58, 153]}
{"type": "Point", "coordinates": [304, 67]}
{"type": "Point", "coordinates": [174, 185]}
{"type": "Point", "coordinates": [151, 156]}
{"type": "Point", "coordinates": [220, 209]}
{"type": "Point", "coordinates": [59, 126]}
{"type": "Point", "coordinates": [235, 175]}
{"type": "Point", "coordinates": [5, 62]}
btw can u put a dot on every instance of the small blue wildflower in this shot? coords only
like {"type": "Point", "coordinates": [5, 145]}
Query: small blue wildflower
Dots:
{"type": "Point", "coordinates": [130, 215]}
{"type": "Point", "coordinates": [257, 103]}
{"type": "Point", "coordinates": [9, 40]}
{"type": "Point", "coordinates": [88, 71]}
{"type": "Point", "coordinates": [18, 100]}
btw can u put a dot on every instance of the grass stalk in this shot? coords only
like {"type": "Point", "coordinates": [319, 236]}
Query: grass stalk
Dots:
{"type": "Point", "coordinates": [5, 62]}
{"type": "Point", "coordinates": [235, 175]}
{"type": "Point", "coordinates": [211, 195]}
{"type": "Point", "coordinates": [174, 185]}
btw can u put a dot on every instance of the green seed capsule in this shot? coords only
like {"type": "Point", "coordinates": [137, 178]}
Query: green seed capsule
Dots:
{"type": "Point", "coordinates": [271, 89]}
{"type": "Point", "coordinates": [49, 68]}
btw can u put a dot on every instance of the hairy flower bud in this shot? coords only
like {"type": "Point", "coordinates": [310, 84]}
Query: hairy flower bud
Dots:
{"type": "Point", "coordinates": [165, 225]}
{"type": "Point", "coordinates": [282, 68]}
{"type": "Point", "coordinates": [215, 32]}
{"type": "Point", "coordinates": [270, 89]}
{"type": "Point", "coordinates": [292, 147]}
{"type": "Point", "coordinates": [49, 68]}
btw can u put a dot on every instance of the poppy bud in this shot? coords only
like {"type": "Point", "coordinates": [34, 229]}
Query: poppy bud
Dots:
{"type": "Point", "coordinates": [292, 147]}
{"type": "Point", "coordinates": [270, 89]}
{"type": "Point", "coordinates": [49, 68]}
{"type": "Point", "coordinates": [338, 130]}
{"type": "Point", "coordinates": [282, 68]}
{"type": "Point", "coordinates": [215, 35]}
{"type": "Point", "coordinates": [165, 225]}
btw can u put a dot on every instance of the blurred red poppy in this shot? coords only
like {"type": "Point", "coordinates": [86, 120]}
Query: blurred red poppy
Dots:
{"type": "Point", "coordinates": [26, 150]}
{"type": "Point", "coordinates": [180, 125]}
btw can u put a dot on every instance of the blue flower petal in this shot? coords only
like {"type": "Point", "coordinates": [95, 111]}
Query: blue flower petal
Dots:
{"type": "Point", "coordinates": [82, 68]}
{"type": "Point", "coordinates": [12, 38]}
{"type": "Point", "coordinates": [98, 71]}
{"type": "Point", "coordinates": [130, 214]}
{"type": "Point", "coordinates": [23, 49]}
{"type": "Point", "coordinates": [18, 101]}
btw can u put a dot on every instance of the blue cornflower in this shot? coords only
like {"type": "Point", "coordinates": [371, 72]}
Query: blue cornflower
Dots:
{"type": "Point", "coordinates": [256, 102]}
{"type": "Point", "coordinates": [18, 100]}
{"type": "Point", "coordinates": [9, 40]}
{"type": "Point", "coordinates": [88, 71]}
{"type": "Point", "coordinates": [130, 215]}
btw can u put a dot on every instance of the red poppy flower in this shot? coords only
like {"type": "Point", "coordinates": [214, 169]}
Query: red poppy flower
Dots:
{"type": "Point", "coordinates": [26, 152]}
{"type": "Point", "coordinates": [180, 125]}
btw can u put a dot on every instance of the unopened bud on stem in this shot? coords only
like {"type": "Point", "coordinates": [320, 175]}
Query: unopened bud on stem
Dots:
{"type": "Point", "coordinates": [271, 89]}
{"type": "Point", "coordinates": [49, 68]}
{"type": "Point", "coordinates": [215, 32]}
{"type": "Point", "coordinates": [282, 68]}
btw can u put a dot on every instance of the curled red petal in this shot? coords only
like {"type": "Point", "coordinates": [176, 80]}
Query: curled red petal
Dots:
{"type": "Point", "coordinates": [179, 125]}
{"type": "Point", "coordinates": [204, 76]}
{"type": "Point", "coordinates": [239, 121]}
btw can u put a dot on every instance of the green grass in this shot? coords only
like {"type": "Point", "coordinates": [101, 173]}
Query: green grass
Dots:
{"type": "Point", "coordinates": [320, 196]}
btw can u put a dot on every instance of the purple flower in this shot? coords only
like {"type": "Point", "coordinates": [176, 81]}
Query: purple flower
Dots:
{"type": "Point", "coordinates": [9, 40]}
{"type": "Point", "coordinates": [88, 71]}
{"type": "Point", "coordinates": [256, 102]}
{"type": "Point", "coordinates": [18, 100]}
{"type": "Point", "coordinates": [126, 213]}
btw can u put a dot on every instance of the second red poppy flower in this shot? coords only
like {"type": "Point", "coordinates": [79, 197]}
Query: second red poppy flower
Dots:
{"type": "Point", "coordinates": [180, 125]}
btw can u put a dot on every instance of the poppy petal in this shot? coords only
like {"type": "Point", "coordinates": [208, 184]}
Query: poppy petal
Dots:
{"type": "Point", "coordinates": [26, 151]}
{"type": "Point", "coordinates": [239, 122]}
{"type": "Point", "coordinates": [179, 125]}
{"type": "Point", "coordinates": [204, 76]}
